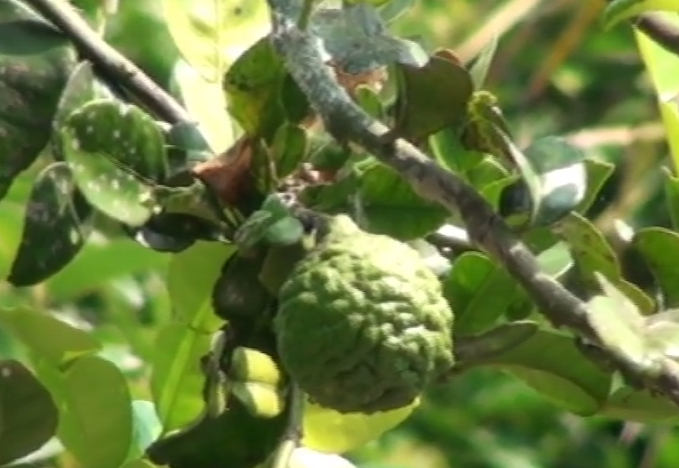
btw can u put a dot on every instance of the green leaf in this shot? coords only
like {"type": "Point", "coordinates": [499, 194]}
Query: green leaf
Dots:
{"type": "Point", "coordinates": [111, 260]}
{"type": "Point", "coordinates": [431, 97]}
{"type": "Point", "coordinates": [52, 340]}
{"type": "Point", "coordinates": [12, 212]}
{"type": "Point", "coordinates": [252, 86]}
{"type": "Point", "coordinates": [657, 245]}
{"type": "Point", "coordinates": [95, 409]}
{"type": "Point", "coordinates": [470, 349]}
{"type": "Point", "coordinates": [35, 61]}
{"type": "Point", "coordinates": [598, 173]}
{"type": "Point", "coordinates": [289, 149]}
{"type": "Point", "coordinates": [552, 365]}
{"type": "Point", "coordinates": [177, 379]}
{"type": "Point", "coordinates": [389, 205]}
{"type": "Point", "coordinates": [662, 66]}
{"type": "Point", "coordinates": [56, 226]}
{"type": "Point", "coordinates": [553, 182]}
{"type": "Point", "coordinates": [28, 416]}
{"type": "Point", "coordinates": [139, 463]}
{"type": "Point", "coordinates": [205, 101]}
{"type": "Point", "coordinates": [479, 292]}
{"type": "Point", "coordinates": [273, 224]}
{"type": "Point", "coordinates": [205, 31]}
{"type": "Point", "coordinates": [620, 10]}
{"type": "Point", "coordinates": [592, 253]}
{"type": "Point", "coordinates": [481, 66]}
{"type": "Point", "coordinates": [671, 187]}
{"type": "Point", "coordinates": [629, 404]}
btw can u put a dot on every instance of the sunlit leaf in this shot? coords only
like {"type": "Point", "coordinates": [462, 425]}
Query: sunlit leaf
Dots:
{"type": "Point", "coordinates": [620, 10]}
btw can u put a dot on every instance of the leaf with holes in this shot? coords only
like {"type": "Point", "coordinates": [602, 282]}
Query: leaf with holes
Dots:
{"type": "Point", "coordinates": [35, 61]}
{"type": "Point", "coordinates": [593, 254]}
{"type": "Point", "coordinates": [28, 415]}
{"type": "Point", "coordinates": [553, 182]}
{"type": "Point", "coordinates": [431, 97]}
{"type": "Point", "coordinates": [210, 34]}
{"type": "Point", "coordinates": [620, 10]}
{"type": "Point", "coordinates": [56, 226]}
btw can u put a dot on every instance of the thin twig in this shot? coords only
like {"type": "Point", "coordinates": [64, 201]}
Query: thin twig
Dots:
{"type": "Point", "coordinates": [348, 122]}
{"type": "Point", "coordinates": [109, 60]}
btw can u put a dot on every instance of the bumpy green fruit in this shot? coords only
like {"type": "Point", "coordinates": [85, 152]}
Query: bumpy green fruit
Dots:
{"type": "Point", "coordinates": [362, 325]}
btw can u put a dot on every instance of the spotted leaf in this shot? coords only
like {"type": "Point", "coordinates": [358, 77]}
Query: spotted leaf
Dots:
{"type": "Point", "coordinates": [56, 226]}
{"type": "Point", "coordinates": [113, 149]}
{"type": "Point", "coordinates": [35, 61]}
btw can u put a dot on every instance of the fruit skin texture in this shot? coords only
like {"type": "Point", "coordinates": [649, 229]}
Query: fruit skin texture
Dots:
{"type": "Point", "coordinates": [362, 324]}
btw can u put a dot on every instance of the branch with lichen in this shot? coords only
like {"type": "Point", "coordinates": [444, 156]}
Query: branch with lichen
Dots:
{"type": "Point", "coordinates": [347, 122]}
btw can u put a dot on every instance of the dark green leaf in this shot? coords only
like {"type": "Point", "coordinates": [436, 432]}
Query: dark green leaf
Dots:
{"type": "Point", "coordinates": [390, 205]}
{"type": "Point", "coordinates": [592, 253]}
{"type": "Point", "coordinates": [598, 173]}
{"type": "Point", "coordinates": [289, 149]}
{"type": "Point", "coordinates": [628, 404]}
{"type": "Point", "coordinates": [35, 61]}
{"type": "Point", "coordinates": [552, 365]}
{"type": "Point", "coordinates": [431, 97]}
{"type": "Point", "coordinates": [56, 226]}
{"type": "Point", "coordinates": [553, 182]}
{"type": "Point", "coordinates": [671, 186]}
{"type": "Point", "coordinates": [469, 349]}
{"type": "Point", "coordinates": [479, 292]}
{"type": "Point", "coordinates": [234, 438]}
{"type": "Point", "coordinates": [658, 247]}
{"type": "Point", "coordinates": [28, 416]}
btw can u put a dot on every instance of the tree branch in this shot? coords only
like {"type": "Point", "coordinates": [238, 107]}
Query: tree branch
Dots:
{"type": "Point", "coordinates": [66, 18]}
{"type": "Point", "coordinates": [663, 32]}
{"type": "Point", "coordinates": [348, 122]}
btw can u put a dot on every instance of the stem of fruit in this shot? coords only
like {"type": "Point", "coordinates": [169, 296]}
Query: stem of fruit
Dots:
{"type": "Point", "coordinates": [347, 122]}
{"type": "Point", "coordinates": [292, 438]}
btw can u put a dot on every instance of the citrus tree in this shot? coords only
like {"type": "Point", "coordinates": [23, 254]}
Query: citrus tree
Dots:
{"type": "Point", "coordinates": [343, 218]}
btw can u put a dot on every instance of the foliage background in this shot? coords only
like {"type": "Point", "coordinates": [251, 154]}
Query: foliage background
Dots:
{"type": "Point", "coordinates": [556, 72]}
